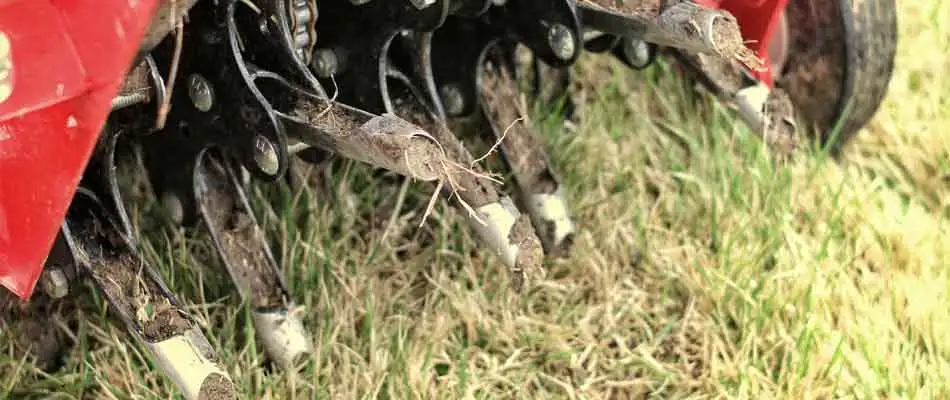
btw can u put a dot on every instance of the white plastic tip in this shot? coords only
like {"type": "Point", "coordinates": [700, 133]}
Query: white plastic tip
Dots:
{"type": "Point", "coordinates": [751, 103]}
{"type": "Point", "coordinates": [497, 220]}
{"type": "Point", "coordinates": [187, 359]}
{"type": "Point", "coordinates": [551, 218]}
{"type": "Point", "coordinates": [284, 337]}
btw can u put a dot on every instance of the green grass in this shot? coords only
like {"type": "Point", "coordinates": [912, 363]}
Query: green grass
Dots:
{"type": "Point", "coordinates": [702, 269]}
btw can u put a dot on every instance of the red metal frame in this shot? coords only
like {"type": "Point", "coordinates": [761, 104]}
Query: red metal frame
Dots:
{"type": "Point", "coordinates": [758, 20]}
{"type": "Point", "coordinates": [68, 59]}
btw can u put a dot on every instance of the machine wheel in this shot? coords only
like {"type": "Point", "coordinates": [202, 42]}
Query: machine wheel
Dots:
{"type": "Point", "coordinates": [837, 57]}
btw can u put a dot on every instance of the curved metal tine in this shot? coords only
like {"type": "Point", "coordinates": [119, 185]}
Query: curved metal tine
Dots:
{"type": "Point", "coordinates": [682, 25]}
{"type": "Point", "coordinates": [523, 148]}
{"type": "Point", "coordinates": [142, 301]}
{"type": "Point", "coordinates": [243, 248]}
{"type": "Point", "coordinates": [491, 212]}
{"type": "Point", "coordinates": [102, 178]}
{"type": "Point", "coordinates": [417, 46]}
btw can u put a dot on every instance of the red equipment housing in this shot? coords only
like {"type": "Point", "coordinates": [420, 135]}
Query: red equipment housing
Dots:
{"type": "Point", "coordinates": [758, 20]}
{"type": "Point", "coordinates": [64, 62]}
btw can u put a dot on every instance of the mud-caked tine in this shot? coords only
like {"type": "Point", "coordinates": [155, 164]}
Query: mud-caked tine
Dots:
{"type": "Point", "coordinates": [523, 148]}
{"type": "Point", "coordinates": [682, 25]}
{"type": "Point", "coordinates": [242, 246]}
{"type": "Point", "coordinates": [427, 152]}
{"type": "Point", "coordinates": [491, 212]}
{"type": "Point", "coordinates": [383, 141]}
{"type": "Point", "coordinates": [768, 112]}
{"type": "Point", "coordinates": [140, 299]}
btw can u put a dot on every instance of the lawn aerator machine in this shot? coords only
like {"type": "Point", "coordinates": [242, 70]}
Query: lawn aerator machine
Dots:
{"type": "Point", "coordinates": [211, 93]}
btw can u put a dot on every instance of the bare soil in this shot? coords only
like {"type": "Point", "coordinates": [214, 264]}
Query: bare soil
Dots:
{"type": "Point", "coordinates": [165, 324]}
{"type": "Point", "coordinates": [521, 145]}
{"type": "Point", "coordinates": [123, 277]}
{"type": "Point", "coordinates": [241, 241]}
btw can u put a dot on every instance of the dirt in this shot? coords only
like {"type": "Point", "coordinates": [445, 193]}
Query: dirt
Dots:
{"type": "Point", "coordinates": [165, 324]}
{"type": "Point", "coordinates": [529, 265]}
{"type": "Point", "coordinates": [780, 131]}
{"type": "Point", "coordinates": [216, 387]}
{"type": "Point", "coordinates": [329, 119]}
{"type": "Point", "coordinates": [815, 69]}
{"type": "Point", "coordinates": [28, 324]}
{"type": "Point", "coordinates": [640, 8]}
{"type": "Point", "coordinates": [677, 27]}
{"type": "Point", "coordinates": [520, 144]}
{"type": "Point", "coordinates": [241, 241]}
{"type": "Point", "coordinates": [122, 275]}
{"type": "Point", "coordinates": [381, 141]}
{"type": "Point", "coordinates": [473, 190]}
{"type": "Point", "coordinates": [731, 45]}
{"type": "Point", "coordinates": [722, 73]}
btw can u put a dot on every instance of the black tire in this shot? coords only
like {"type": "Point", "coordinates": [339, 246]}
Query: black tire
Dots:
{"type": "Point", "coordinates": [839, 63]}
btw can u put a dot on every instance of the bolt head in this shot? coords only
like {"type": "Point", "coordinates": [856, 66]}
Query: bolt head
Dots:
{"type": "Point", "coordinates": [325, 63]}
{"type": "Point", "coordinates": [637, 52]}
{"type": "Point", "coordinates": [172, 207]}
{"type": "Point", "coordinates": [265, 155]}
{"type": "Point", "coordinates": [54, 282]}
{"type": "Point", "coordinates": [452, 99]}
{"type": "Point", "coordinates": [200, 92]}
{"type": "Point", "coordinates": [562, 41]}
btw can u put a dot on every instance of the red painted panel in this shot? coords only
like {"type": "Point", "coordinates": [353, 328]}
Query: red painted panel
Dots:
{"type": "Point", "coordinates": [68, 59]}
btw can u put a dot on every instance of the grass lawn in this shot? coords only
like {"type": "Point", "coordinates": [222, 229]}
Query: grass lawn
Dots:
{"type": "Point", "coordinates": [702, 269]}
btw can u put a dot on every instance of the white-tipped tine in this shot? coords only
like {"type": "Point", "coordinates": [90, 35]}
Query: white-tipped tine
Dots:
{"type": "Point", "coordinates": [284, 337]}
{"type": "Point", "coordinates": [188, 360]}
{"type": "Point", "coordinates": [499, 218]}
{"type": "Point", "coordinates": [552, 218]}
